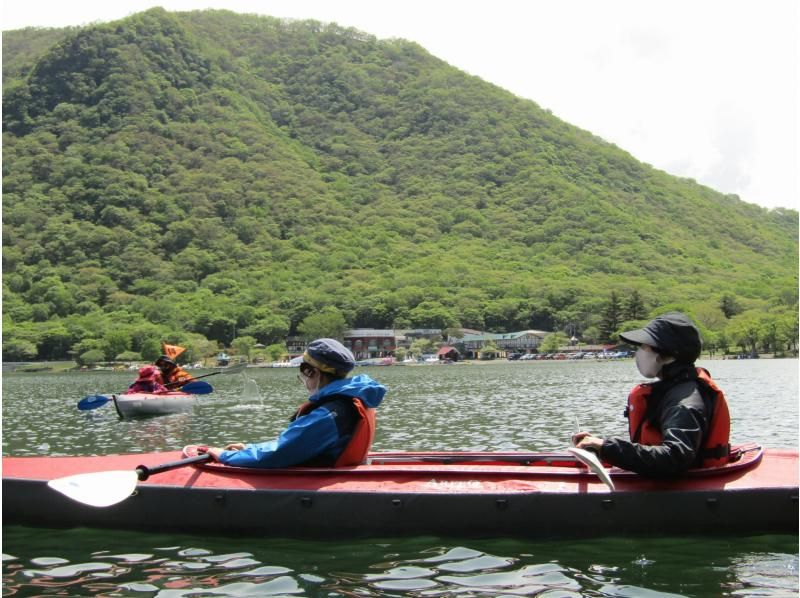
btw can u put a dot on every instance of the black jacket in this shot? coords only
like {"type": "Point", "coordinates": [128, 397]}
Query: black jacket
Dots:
{"type": "Point", "coordinates": [677, 407]}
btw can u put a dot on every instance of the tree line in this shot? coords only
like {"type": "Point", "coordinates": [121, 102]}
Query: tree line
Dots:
{"type": "Point", "coordinates": [204, 177]}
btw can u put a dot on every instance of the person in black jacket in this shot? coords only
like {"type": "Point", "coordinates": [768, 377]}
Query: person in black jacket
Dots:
{"type": "Point", "coordinates": [672, 422]}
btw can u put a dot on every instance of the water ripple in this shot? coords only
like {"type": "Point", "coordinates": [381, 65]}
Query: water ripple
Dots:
{"type": "Point", "coordinates": [529, 406]}
{"type": "Point", "coordinates": [396, 568]}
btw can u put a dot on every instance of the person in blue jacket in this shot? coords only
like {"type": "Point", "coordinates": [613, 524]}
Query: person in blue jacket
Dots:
{"type": "Point", "coordinates": [321, 430]}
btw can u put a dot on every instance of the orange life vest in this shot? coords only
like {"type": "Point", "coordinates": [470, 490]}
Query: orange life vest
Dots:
{"type": "Point", "coordinates": [356, 450]}
{"type": "Point", "coordinates": [715, 449]}
{"type": "Point", "coordinates": [355, 453]}
{"type": "Point", "coordinates": [177, 374]}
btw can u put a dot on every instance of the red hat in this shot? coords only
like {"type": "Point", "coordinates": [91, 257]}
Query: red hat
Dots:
{"type": "Point", "coordinates": [147, 373]}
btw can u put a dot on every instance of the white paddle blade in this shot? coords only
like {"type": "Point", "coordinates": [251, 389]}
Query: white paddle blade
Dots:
{"type": "Point", "coordinates": [590, 460]}
{"type": "Point", "coordinates": [99, 489]}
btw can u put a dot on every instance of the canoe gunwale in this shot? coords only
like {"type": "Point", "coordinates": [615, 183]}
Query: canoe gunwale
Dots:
{"type": "Point", "coordinates": [522, 464]}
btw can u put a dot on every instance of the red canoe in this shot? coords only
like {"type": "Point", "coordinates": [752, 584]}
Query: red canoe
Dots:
{"type": "Point", "coordinates": [443, 493]}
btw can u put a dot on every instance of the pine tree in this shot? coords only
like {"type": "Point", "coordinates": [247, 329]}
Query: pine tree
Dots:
{"type": "Point", "coordinates": [634, 308]}
{"type": "Point", "coordinates": [729, 306]}
{"type": "Point", "coordinates": [611, 316]}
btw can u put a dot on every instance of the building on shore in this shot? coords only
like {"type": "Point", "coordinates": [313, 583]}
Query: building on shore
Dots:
{"type": "Point", "coordinates": [370, 343]}
{"type": "Point", "coordinates": [448, 353]}
{"type": "Point", "coordinates": [373, 343]}
{"type": "Point", "coordinates": [483, 344]}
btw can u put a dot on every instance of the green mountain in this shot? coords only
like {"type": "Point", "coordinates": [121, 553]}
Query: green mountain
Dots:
{"type": "Point", "coordinates": [199, 176]}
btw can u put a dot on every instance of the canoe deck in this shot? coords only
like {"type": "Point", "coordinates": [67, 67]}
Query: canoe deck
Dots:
{"type": "Point", "coordinates": [401, 493]}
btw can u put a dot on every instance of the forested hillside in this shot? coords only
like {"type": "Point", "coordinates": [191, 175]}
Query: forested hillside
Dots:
{"type": "Point", "coordinates": [199, 176]}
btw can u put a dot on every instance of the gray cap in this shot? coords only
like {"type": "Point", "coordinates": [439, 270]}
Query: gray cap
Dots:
{"type": "Point", "coordinates": [671, 334]}
{"type": "Point", "coordinates": [329, 355]}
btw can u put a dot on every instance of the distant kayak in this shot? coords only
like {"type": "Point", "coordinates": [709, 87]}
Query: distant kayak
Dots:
{"type": "Point", "coordinates": [399, 493]}
{"type": "Point", "coordinates": [143, 404]}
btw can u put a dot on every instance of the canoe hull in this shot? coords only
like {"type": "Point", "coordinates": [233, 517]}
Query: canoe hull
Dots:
{"type": "Point", "coordinates": [144, 404]}
{"type": "Point", "coordinates": [451, 500]}
{"type": "Point", "coordinates": [331, 515]}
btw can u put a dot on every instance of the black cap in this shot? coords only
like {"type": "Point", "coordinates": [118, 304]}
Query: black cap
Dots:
{"type": "Point", "coordinates": [329, 355]}
{"type": "Point", "coordinates": [166, 360]}
{"type": "Point", "coordinates": [671, 334]}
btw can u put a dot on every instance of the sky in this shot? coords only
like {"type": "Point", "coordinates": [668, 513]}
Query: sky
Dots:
{"type": "Point", "coordinates": [702, 89]}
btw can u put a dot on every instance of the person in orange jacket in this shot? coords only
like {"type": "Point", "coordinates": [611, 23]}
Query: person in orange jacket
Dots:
{"type": "Point", "coordinates": [171, 373]}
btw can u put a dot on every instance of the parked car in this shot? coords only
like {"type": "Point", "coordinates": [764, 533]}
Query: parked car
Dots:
{"type": "Point", "coordinates": [514, 356]}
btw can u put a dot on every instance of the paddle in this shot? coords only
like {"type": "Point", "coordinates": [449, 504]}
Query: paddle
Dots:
{"type": "Point", "coordinates": [590, 460]}
{"type": "Point", "coordinates": [197, 388]}
{"type": "Point", "coordinates": [95, 401]}
{"type": "Point", "coordinates": [234, 369]}
{"type": "Point", "coordinates": [106, 488]}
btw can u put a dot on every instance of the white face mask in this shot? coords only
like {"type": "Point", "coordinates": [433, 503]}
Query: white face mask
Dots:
{"type": "Point", "coordinates": [648, 362]}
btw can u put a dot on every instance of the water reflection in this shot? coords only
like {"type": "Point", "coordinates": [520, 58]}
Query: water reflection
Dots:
{"type": "Point", "coordinates": [410, 567]}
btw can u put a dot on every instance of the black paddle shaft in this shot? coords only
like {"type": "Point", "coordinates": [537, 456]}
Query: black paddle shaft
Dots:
{"type": "Point", "coordinates": [230, 370]}
{"type": "Point", "coordinates": [143, 471]}
{"type": "Point", "coordinates": [182, 382]}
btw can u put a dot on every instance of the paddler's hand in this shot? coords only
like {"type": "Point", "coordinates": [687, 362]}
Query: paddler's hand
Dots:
{"type": "Point", "coordinates": [585, 440]}
{"type": "Point", "coordinates": [214, 451]}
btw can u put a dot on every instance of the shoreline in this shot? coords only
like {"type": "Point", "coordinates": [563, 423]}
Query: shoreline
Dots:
{"type": "Point", "coordinates": [55, 367]}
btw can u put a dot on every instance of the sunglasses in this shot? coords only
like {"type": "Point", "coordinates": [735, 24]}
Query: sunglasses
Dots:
{"type": "Point", "coordinates": [306, 371]}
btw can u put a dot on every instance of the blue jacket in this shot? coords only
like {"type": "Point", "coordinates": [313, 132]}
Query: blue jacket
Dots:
{"type": "Point", "coordinates": [314, 435]}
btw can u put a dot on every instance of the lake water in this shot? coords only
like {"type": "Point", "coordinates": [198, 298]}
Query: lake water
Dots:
{"type": "Point", "coordinates": [498, 406]}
